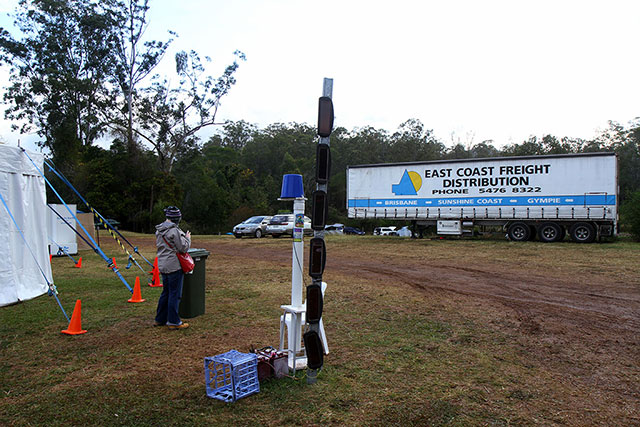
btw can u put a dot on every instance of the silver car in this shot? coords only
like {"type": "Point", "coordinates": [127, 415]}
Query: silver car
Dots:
{"type": "Point", "coordinates": [283, 225]}
{"type": "Point", "coordinates": [254, 226]}
{"type": "Point", "coordinates": [334, 229]}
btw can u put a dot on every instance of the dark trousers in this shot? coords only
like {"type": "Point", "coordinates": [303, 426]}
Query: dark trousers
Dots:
{"type": "Point", "coordinates": [169, 301]}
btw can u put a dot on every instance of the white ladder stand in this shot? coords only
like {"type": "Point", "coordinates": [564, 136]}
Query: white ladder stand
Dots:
{"type": "Point", "coordinates": [294, 318]}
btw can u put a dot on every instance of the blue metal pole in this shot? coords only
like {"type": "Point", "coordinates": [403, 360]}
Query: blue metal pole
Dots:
{"type": "Point", "coordinates": [98, 250]}
{"type": "Point", "coordinates": [97, 214]}
{"type": "Point", "coordinates": [52, 288]}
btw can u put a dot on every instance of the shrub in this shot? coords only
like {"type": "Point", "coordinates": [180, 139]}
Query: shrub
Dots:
{"type": "Point", "coordinates": [631, 214]}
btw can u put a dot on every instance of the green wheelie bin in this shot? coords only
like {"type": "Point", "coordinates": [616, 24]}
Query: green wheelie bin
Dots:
{"type": "Point", "coordinates": [192, 302]}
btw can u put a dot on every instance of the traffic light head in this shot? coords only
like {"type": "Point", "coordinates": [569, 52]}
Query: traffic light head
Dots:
{"type": "Point", "coordinates": [325, 116]}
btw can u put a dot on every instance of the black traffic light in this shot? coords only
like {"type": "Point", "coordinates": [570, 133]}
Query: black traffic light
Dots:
{"type": "Point", "coordinates": [325, 116]}
{"type": "Point", "coordinates": [323, 163]}
{"type": "Point", "coordinates": [317, 257]}
{"type": "Point", "coordinates": [314, 349]}
{"type": "Point", "coordinates": [319, 210]}
{"type": "Point", "coordinates": [314, 303]}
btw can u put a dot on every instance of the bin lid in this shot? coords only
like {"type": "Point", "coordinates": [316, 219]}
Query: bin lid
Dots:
{"type": "Point", "coordinates": [194, 252]}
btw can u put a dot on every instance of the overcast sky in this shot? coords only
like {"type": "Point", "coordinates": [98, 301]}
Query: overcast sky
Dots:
{"type": "Point", "coordinates": [494, 69]}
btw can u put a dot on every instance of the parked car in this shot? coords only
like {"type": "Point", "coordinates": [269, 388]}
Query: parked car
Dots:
{"type": "Point", "coordinates": [334, 229]}
{"type": "Point", "coordinates": [283, 225]}
{"type": "Point", "coordinates": [254, 226]}
{"type": "Point", "coordinates": [353, 230]}
{"type": "Point", "coordinates": [385, 231]}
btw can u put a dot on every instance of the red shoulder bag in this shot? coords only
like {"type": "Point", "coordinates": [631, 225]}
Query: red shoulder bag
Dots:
{"type": "Point", "coordinates": [186, 262]}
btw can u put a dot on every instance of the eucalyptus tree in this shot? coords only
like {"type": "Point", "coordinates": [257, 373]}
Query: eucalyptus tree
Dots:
{"type": "Point", "coordinates": [484, 149]}
{"type": "Point", "coordinates": [531, 146]}
{"type": "Point", "coordinates": [412, 142]}
{"type": "Point", "coordinates": [625, 141]}
{"type": "Point", "coordinates": [56, 58]}
{"type": "Point", "coordinates": [235, 135]}
{"type": "Point", "coordinates": [170, 117]}
{"type": "Point", "coordinates": [134, 59]}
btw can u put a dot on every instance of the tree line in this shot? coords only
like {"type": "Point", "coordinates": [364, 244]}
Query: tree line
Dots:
{"type": "Point", "coordinates": [81, 73]}
{"type": "Point", "coordinates": [238, 171]}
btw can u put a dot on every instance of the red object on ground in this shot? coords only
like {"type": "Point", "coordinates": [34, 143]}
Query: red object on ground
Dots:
{"type": "Point", "coordinates": [155, 281]}
{"type": "Point", "coordinates": [75, 325]}
{"type": "Point", "coordinates": [137, 294]}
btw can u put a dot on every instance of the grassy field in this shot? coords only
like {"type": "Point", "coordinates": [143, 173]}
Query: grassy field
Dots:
{"type": "Point", "coordinates": [400, 355]}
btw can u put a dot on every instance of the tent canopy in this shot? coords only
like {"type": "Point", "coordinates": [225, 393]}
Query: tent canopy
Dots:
{"type": "Point", "coordinates": [23, 189]}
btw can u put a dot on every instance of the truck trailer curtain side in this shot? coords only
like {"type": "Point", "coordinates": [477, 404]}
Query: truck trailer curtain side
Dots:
{"type": "Point", "coordinates": [542, 194]}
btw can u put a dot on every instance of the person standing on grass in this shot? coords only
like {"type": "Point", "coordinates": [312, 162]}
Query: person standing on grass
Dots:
{"type": "Point", "coordinates": [169, 241]}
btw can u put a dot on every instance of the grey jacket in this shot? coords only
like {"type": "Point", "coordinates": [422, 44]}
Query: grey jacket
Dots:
{"type": "Point", "coordinates": [178, 241]}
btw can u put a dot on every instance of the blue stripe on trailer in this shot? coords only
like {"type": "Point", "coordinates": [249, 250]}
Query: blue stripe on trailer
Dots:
{"type": "Point", "coordinates": [484, 201]}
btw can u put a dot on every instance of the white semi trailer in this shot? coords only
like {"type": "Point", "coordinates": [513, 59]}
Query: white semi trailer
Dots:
{"type": "Point", "coordinates": [529, 196]}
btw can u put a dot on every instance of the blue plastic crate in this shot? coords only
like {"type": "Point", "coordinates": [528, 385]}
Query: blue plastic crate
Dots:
{"type": "Point", "coordinates": [231, 376]}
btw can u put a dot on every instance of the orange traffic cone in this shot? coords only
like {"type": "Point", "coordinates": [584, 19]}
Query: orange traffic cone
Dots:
{"type": "Point", "coordinates": [137, 295]}
{"type": "Point", "coordinates": [75, 326]}
{"type": "Point", "coordinates": [79, 263]}
{"type": "Point", "coordinates": [155, 282]}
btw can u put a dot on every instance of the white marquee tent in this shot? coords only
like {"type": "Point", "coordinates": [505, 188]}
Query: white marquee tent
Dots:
{"type": "Point", "coordinates": [23, 189]}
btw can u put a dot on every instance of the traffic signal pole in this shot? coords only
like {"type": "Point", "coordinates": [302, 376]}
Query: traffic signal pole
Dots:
{"type": "Point", "coordinates": [315, 299]}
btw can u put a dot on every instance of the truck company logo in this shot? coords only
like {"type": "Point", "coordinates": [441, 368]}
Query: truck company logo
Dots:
{"type": "Point", "coordinates": [409, 184]}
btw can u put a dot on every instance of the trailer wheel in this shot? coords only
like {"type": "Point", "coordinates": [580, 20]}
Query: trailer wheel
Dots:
{"type": "Point", "coordinates": [519, 232]}
{"type": "Point", "coordinates": [582, 232]}
{"type": "Point", "coordinates": [550, 232]}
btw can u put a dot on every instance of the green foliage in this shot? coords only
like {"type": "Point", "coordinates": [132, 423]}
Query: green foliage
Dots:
{"type": "Point", "coordinates": [75, 66]}
{"type": "Point", "coordinates": [238, 172]}
{"type": "Point", "coordinates": [58, 73]}
{"type": "Point", "coordinates": [75, 71]}
{"type": "Point", "coordinates": [413, 143]}
{"type": "Point", "coordinates": [133, 60]}
{"type": "Point", "coordinates": [170, 117]}
{"type": "Point", "coordinates": [631, 214]}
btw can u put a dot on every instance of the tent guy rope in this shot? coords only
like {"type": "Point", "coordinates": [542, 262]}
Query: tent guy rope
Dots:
{"type": "Point", "coordinates": [76, 231]}
{"type": "Point", "coordinates": [52, 288]}
{"type": "Point", "coordinates": [97, 248]}
{"type": "Point", "coordinates": [100, 218]}
{"type": "Point", "coordinates": [62, 250]}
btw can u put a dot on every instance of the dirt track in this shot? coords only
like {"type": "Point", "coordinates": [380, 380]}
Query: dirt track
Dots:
{"type": "Point", "coordinates": [578, 302]}
{"type": "Point", "coordinates": [582, 328]}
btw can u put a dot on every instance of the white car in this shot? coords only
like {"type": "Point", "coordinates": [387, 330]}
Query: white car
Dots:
{"type": "Point", "coordinates": [254, 226]}
{"type": "Point", "coordinates": [385, 231]}
{"type": "Point", "coordinates": [283, 225]}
